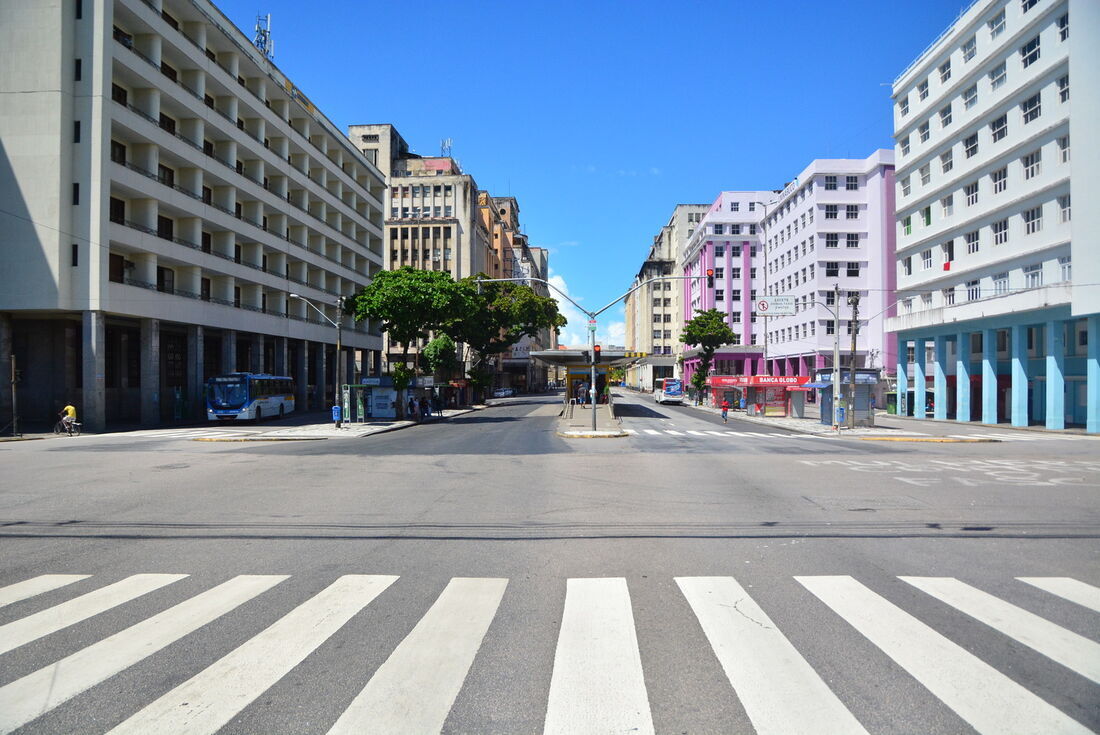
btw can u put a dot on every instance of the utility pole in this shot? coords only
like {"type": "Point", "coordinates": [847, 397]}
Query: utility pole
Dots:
{"type": "Point", "coordinates": [854, 301]}
{"type": "Point", "coordinates": [14, 402]}
{"type": "Point", "coordinates": [836, 360]}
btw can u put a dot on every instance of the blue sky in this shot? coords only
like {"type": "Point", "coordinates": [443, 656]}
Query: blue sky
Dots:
{"type": "Point", "coordinates": [599, 116]}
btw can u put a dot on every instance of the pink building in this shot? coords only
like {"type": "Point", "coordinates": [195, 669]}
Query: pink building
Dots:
{"type": "Point", "coordinates": [832, 226]}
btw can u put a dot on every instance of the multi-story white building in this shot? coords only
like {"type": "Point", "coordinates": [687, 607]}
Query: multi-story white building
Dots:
{"type": "Point", "coordinates": [994, 272]}
{"type": "Point", "coordinates": [832, 227]}
{"type": "Point", "coordinates": [166, 189]}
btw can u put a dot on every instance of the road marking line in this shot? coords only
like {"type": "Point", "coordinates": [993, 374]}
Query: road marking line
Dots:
{"type": "Point", "coordinates": [674, 433]}
{"type": "Point", "coordinates": [696, 433]}
{"type": "Point", "coordinates": [80, 608]}
{"type": "Point", "coordinates": [37, 693]}
{"type": "Point", "coordinates": [1073, 651]}
{"type": "Point", "coordinates": [736, 433]}
{"type": "Point", "coordinates": [984, 697]}
{"type": "Point", "coordinates": [36, 586]}
{"type": "Point", "coordinates": [781, 436]}
{"type": "Point", "coordinates": [716, 433]}
{"type": "Point", "coordinates": [213, 697]}
{"type": "Point", "coordinates": [780, 691]}
{"type": "Point", "coordinates": [597, 683]}
{"type": "Point", "coordinates": [1068, 589]}
{"type": "Point", "coordinates": [414, 690]}
{"type": "Point", "coordinates": [630, 431]}
{"type": "Point", "coordinates": [652, 431]}
{"type": "Point", "coordinates": [757, 433]}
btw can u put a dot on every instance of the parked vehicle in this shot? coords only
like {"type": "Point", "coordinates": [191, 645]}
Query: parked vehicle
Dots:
{"type": "Point", "coordinates": [503, 393]}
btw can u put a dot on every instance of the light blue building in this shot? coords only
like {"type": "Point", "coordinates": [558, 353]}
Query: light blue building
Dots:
{"type": "Point", "coordinates": [998, 279]}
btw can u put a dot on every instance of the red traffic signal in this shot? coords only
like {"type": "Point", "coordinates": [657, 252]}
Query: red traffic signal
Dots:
{"type": "Point", "coordinates": [596, 351]}
{"type": "Point", "coordinates": [710, 278]}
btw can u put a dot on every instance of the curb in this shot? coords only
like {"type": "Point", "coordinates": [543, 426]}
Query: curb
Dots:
{"type": "Point", "coordinates": [930, 439]}
{"type": "Point", "coordinates": [591, 435]}
{"type": "Point", "coordinates": [21, 438]}
{"type": "Point", "coordinates": [260, 439]}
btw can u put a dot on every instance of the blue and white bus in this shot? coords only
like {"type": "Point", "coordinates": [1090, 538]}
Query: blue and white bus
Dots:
{"type": "Point", "coordinates": [241, 396]}
{"type": "Point", "coordinates": [668, 390]}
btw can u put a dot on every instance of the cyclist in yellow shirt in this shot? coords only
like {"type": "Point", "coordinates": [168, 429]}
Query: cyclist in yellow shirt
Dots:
{"type": "Point", "coordinates": [68, 416]}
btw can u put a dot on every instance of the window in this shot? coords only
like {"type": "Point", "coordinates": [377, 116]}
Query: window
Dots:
{"type": "Point", "coordinates": [735, 229]}
{"type": "Point", "coordinates": [832, 239]}
{"type": "Point", "coordinates": [830, 211]}
{"type": "Point", "coordinates": [971, 191]}
{"type": "Point", "coordinates": [1063, 88]}
{"type": "Point", "coordinates": [166, 175]}
{"type": "Point", "coordinates": [719, 295]}
{"type": "Point", "coordinates": [970, 145]}
{"type": "Point", "coordinates": [923, 131]}
{"type": "Point", "coordinates": [1026, 5]}
{"type": "Point", "coordinates": [973, 290]}
{"type": "Point", "coordinates": [997, 75]}
{"type": "Point", "coordinates": [926, 259]}
{"type": "Point", "coordinates": [117, 211]}
{"type": "Point", "coordinates": [851, 211]}
{"type": "Point", "coordinates": [656, 334]}
{"type": "Point", "coordinates": [972, 242]}
{"type": "Point", "coordinates": [735, 294]}
{"type": "Point", "coordinates": [752, 229]}
{"type": "Point", "coordinates": [969, 49]}
{"type": "Point", "coordinates": [719, 229]}
{"type": "Point", "coordinates": [735, 274]}
{"type": "Point", "coordinates": [945, 71]}
{"type": "Point", "coordinates": [1066, 266]}
{"type": "Point", "coordinates": [166, 280]}
{"type": "Point", "coordinates": [922, 90]}
{"type": "Point", "coordinates": [1029, 52]}
{"type": "Point", "coordinates": [945, 116]}
{"type": "Point", "coordinates": [76, 194]}
{"type": "Point", "coordinates": [947, 205]}
{"type": "Point", "coordinates": [719, 273]}
{"type": "Point", "coordinates": [946, 162]}
{"type": "Point", "coordinates": [999, 128]}
{"type": "Point", "coordinates": [926, 216]}
{"type": "Point", "coordinates": [853, 269]}
{"type": "Point", "coordinates": [167, 123]}
{"type": "Point", "coordinates": [1063, 27]}
{"type": "Point", "coordinates": [735, 206]}
{"type": "Point", "coordinates": [906, 186]}
{"type": "Point", "coordinates": [1033, 276]}
{"type": "Point", "coordinates": [830, 183]}
{"type": "Point", "coordinates": [925, 174]}
{"type": "Point", "coordinates": [1000, 284]}
{"type": "Point", "coordinates": [907, 225]}
{"type": "Point", "coordinates": [752, 206]}
{"type": "Point", "coordinates": [735, 317]}
{"type": "Point", "coordinates": [851, 183]}
{"type": "Point", "coordinates": [165, 227]}
{"type": "Point", "coordinates": [1063, 148]}
{"type": "Point", "coordinates": [1033, 164]}
{"type": "Point", "coordinates": [1064, 208]}
{"type": "Point", "coordinates": [1000, 232]}
{"type": "Point", "coordinates": [996, 24]}
{"type": "Point", "coordinates": [948, 250]}
{"type": "Point", "coordinates": [970, 96]}
{"type": "Point", "coordinates": [118, 152]}
{"type": "Point", "coordinates": [1033, 220]}
{"type": "Point", "coordinates": [830, 326]}
{"type": "Point", "coordinates": [116, 268]}
{"type": "Point", "coordinates": [905, 146]}
{"type": "Point", "coordinates": [1032, 107]}
{"type": "Point", "coordinates": [1000, 180]}
{"type": "Point", "coordinates": [949, 296]}
{"type": "Point", "coordinates": [832, 268]}
{"type": "Point", "coordinates": [903, 106]}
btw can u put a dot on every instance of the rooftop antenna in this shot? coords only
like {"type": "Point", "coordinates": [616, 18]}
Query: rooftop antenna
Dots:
{"type": "Point", "coordinates": [445, 146]}
{"type": "Point", "coordinates": [262, 40]}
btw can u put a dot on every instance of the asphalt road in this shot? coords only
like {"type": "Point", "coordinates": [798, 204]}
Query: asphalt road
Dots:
{"type": "Point", "coordinates": [485, 575]}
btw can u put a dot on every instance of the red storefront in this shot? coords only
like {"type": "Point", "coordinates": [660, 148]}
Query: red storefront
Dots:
{"type": "Point", "coordinates": [763, 395]}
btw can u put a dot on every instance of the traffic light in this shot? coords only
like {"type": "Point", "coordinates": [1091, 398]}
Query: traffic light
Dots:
{"type": "Point", "coordinates": [596, 351]}
{"type": "Point", "coordinates": [710, 278]}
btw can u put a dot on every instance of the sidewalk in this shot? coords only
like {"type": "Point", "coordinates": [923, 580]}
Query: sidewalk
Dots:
{"type": "Point", "coordinates": [348, 430]}
{"type": "Point", "coordinates": [579, 425]}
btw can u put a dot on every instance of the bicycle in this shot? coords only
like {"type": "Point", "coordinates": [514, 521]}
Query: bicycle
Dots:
{"type": "Point", "coordinates": [73, 429]}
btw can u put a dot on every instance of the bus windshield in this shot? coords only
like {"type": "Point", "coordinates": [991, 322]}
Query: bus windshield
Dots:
{"type": "Point", "coordinates": [227, 393]}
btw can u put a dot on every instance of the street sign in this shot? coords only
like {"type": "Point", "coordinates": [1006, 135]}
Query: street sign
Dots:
{"type": "Point", "coordinates": [775, 306]}
{"type": "Point", "coordinates": [591, 325]}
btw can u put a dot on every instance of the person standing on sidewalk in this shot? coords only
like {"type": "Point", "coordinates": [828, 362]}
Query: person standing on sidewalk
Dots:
{"type": "Point", "coordinates": [725, 410]}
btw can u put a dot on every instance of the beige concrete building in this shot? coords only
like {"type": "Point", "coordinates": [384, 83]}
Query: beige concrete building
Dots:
{"type": "Point", "coordinates": [165, 189]}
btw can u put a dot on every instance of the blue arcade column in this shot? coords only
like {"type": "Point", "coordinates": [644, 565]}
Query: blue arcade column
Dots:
{"type": "Point", "coordinates": [989, 376]}
{"type": "Point", "coordinates": [1056, 374]}
{"type": "Point", "coordinates": [1018, 345]}
{"type": "Point", "coordinates": [962, 376]}
{"type": "Point", "coordinates": [939, 379]}
{"type": "Point", "coordinates": [903, 379]}
{"type": "Point", "coordinates": [1092, 372]}
{"type": "Point", "coordinates": [920, 385]}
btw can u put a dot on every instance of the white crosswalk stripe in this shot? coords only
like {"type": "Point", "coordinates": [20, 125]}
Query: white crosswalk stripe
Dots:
{"type": "Point", "coordinates": [597, 679]}
{"type": "Point", "coordinates": [31, 587]}
{"type": "Point", "coordinates": [213, 697]}
{"type": "Point", "coordinates": [597, 685]}
{"type": "Point", "coordinates": [984, 697]}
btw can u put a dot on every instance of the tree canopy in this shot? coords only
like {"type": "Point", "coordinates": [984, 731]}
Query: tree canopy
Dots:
{"type": "Point", "coordinates": [498, 315]}
{"type": "Point", "coordinates": [708, 331]}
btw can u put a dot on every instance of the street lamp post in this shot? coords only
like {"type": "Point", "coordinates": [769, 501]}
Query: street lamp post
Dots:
{"type": "Point", "coordinates": [764, 249]}
{"type": "Point", "coordinates": [339, 346]}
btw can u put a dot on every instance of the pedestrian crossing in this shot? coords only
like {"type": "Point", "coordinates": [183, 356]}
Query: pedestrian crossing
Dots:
{"type": "Point", "coordinates": [211, 433]}
{"type": "Point", "coordinates": [770, 435]}
{"type": "Point", "coordinates": [710, 433]}
{"type": "Point", "coordinates": [598, 671]}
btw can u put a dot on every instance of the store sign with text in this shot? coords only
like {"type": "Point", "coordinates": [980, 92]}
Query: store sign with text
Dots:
{"type": "Point", "coordinates": [756, 381]}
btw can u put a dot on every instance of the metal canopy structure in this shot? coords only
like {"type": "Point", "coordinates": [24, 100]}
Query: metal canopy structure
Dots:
{"type": "Point", "coordinates": [579, 358]}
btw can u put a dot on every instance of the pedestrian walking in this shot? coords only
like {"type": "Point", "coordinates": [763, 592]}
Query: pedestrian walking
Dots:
{"type": "Point", "coordinates": [412, 409]}
{"type": "Point", "coordinates": [725, 411]}
{"type": "Point", "coordinates": [425, 408]}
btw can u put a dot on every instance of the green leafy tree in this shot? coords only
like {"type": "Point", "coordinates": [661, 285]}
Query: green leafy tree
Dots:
{"type": "Point", "coordinates": [440, 355]}
{"type": "Point", "coordinates": [492, 317]}
{"type": "Point", "coordinates": [708, 331]}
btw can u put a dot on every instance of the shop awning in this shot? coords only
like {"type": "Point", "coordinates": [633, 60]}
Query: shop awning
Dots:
{"type": "Point", "coordinates": [817, 385]}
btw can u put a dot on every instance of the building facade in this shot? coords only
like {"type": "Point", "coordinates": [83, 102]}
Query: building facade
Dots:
{"type": "Point", "coordinates": [166, 190]}
{"type": "Point", "coordinates": [996, 275]}
{"type": "Point", "coordinates": [653, 323]}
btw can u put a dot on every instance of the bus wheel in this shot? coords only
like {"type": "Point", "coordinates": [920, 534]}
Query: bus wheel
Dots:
{"type": "Point", "coordinates": [282, 411]}
{"type": "Point", "coordinates": [259, 414]}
